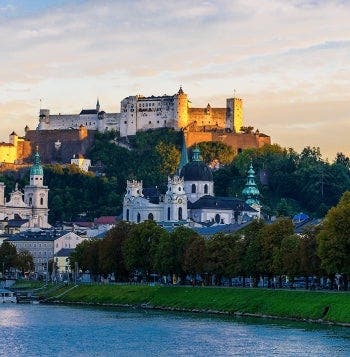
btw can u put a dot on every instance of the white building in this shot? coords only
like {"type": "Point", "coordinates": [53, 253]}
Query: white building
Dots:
{"type": "Point", "coordinates": [32, 204]}
{"type": "Point", "coordinates": [189, 198]}
{"type": "Point", "coordinates": [139, 113]}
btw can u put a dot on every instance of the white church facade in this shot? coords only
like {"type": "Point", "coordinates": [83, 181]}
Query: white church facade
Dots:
{"type": "Point", "coordinates": [30, 205]}
{"type": "Point", "coordinates": [189, 199]}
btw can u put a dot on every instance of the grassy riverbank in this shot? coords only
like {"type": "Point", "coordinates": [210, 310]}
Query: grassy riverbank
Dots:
{"type": "Point", "coordinates": [328, 306]}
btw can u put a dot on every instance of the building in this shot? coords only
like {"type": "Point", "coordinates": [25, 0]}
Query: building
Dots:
{"type": "Point", "coordinates": [142, 113]}
{"type": "Point", "coordinates": [32, 204]}
{"type": "Point", "coordinates": [81, 162]}
{"type": "Point", "coordinates": [189, 199]}
{"type": "Point", "coordinates": [16, 150]}
{"type": "Point", "coordinates": [43, 245]}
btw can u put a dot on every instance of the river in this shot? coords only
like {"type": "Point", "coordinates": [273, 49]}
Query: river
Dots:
{"type": "Point", "coordinates": [46, 330]}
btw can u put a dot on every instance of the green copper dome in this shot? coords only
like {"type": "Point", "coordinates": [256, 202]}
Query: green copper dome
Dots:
{"type": "Point", "coordinates": [251, 192]}
{"type": "Point", "coordinates": [36, 169]}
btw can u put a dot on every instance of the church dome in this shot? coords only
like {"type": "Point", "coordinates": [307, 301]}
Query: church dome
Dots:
{"type": "Point", "coordinates": [196, 170]}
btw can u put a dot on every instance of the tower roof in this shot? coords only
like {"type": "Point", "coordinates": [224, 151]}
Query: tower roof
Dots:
{"type": "Point", "coordinates": [251, 191]}
{"type": "Point", "coordinates": [184, 155]}
{"type": "Point", "coordinates": [36, 169]}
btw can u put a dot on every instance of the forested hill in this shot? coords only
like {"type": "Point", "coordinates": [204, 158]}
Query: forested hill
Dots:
{"type": "Point", "coordinates": [291, 182]}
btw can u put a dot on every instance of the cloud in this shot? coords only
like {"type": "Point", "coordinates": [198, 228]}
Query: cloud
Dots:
{"type": "Point", "coordinates": [273, 52]}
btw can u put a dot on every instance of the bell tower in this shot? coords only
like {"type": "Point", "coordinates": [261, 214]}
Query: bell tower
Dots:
{"type": "Point", "coordinates": [36, 194]}
{"type": "Point", "coordinates": [175, 200]}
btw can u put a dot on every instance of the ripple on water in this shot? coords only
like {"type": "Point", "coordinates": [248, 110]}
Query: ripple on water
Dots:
{"type": "Point", "coordinates": [39, 330]}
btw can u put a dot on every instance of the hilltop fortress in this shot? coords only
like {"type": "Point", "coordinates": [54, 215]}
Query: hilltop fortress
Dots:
{"type": "Point", "coordinates": [61, 137]}
{"type": "Point", "coordinates": [143, 113]}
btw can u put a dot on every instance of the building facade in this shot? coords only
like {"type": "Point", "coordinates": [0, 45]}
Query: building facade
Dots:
{"type": "Point", "coordinates": [189, 198]}
{"type": "Point", "coordinates": [32, 203]}
{"type": "Point", "coordinates": [139, 113]}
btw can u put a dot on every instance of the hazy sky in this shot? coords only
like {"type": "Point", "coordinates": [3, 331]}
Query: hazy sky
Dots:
{"type": "Point", "coordinates": [288, 60]}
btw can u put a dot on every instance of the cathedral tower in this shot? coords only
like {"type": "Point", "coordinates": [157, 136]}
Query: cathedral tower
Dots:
{"type": "Point", "coordinates": [36, 194]}
{"type": "Point", "coordinates": [175, 200]}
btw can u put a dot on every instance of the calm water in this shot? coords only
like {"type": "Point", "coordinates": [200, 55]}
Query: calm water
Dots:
{"type": "Point", "coordinates": [39, 330]}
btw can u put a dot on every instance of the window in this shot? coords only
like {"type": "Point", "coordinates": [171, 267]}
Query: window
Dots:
{"type": "Point", "coordinates": [193, 190]}
{"type": "Point", "coordinates": [150, 216]}
{"type": "Point", "coordinates": [206, 189]}
{"type": "Point", "coordinates": [138, 218]}
{"type": "Point", "coordinates": [180, 213]}
{"type": "Point", "coordinates": [30, 200]}
{"type": "Point", "coordinates": [41, 201]}
{"type": "Point", "coordinates": [217, 218]}
{"type": "Point", "coordinates": [127, 214]}
{"type": "Point", "coordinates": [179, 188]}
{"type": "Point", "coordinates": [168, 213]}
{"type": "Point", "coordinates": [149, 122]}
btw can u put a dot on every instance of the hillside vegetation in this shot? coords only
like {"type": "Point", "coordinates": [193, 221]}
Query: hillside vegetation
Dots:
{"type": "Point", "coordinates": [290, 182]}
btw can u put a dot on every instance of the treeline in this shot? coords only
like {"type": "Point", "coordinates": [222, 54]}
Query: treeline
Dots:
{"type": "Point", "coordinates": [260, 250]}
{"type": "Point", "coordinates": [11, 260]}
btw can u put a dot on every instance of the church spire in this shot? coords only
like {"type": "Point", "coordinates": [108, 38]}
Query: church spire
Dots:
{"type": "Point", "coordinates": [184, 155]}
{"type": "Point", "coordinates": [98, 105]}
{"type": "Point", "coordinates": [196, 154]}
{"type": "Point", "coordinates": [36, 171]}
{"type": "Point", "coordinates": [251, 192]}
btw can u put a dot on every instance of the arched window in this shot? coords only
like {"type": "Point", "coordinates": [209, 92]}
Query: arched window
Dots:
{"type": "Point", "coordinates": [193, 188]}
{"type": "Point", "coordinates": [168, 213]}
{"type": "Point", "coordinates": [180, 213]}
{"type": "Point", "coordinates": [127, 214]}
{"type": "Point", "coordinates": [150, 216]}
{"type": "Point", "coordinates": [30, 200]}
{"type": "Point", "coordinates": [138, 218]}
{"type": "Point", "coordinates": [41, 201]}
{"type": "Point", "coordinates": [217, 218]}
{"type": "Point", "coordinates": [206, 189]}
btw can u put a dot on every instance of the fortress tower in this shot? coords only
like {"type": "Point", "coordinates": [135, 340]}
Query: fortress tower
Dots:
{"type": "Point", "coordinates": [181, 109]}
{"type": "Point", "coordinates": [234, 114]}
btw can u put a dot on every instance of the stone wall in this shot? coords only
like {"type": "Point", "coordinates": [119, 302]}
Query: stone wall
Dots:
{"type": "Point", "coordinates": [59, 146]}
{"type": "Point", "coordinates": [237, 141]}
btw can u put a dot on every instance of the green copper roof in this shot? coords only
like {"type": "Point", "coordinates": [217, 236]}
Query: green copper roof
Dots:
{"type": "Point", "coordinates": [251, 191]}
{"type": "Point", "coordinates": [36, 169]}
{"type": "Point", "coordinates": [196, 154]}
{"type": "Point", "coordinates": [184, 155]}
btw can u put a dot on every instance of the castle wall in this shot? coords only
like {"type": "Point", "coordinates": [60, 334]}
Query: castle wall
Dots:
{"type": "Point", "coordinates": [208, 116]}
{"type": "Point", "coordinates": [8, 153]}
{"type": "Point", "coordinates": [237, 141]}
{"type": "Point", "coordinates": [59, 146]}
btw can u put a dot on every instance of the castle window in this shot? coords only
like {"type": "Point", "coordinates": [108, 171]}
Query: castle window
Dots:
{"type": "Point", "coordinates": [30, 200]}
{"type": "Point", "coordinates": [180, 213]}
{"type": "Point", "coordinates": [127, 214]}
{"type": "Point", "coordinates": [138, 218]}
{"type": "Point", "coordinates": [157, 121]}
{"type": "Point", "coordinates": [150, 216]}
{"type": "Point", "coordinates": [149, 122]}
{"type": "Point", "coordinates": [217, 218]}
{"type": "Point", "coordinates": [193, 189]}
{"type": "Point", "coordinates": [168, 213]}
{"type": "Point", "coordinates": [179, 188]}
{"type": "Point", "coordinates": [206, 189]}
{"type": "Point", "coordinates": [41, 201]}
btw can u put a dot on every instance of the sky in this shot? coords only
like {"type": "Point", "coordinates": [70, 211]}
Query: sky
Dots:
{"type": "Point", "coordinates": [288, 60]}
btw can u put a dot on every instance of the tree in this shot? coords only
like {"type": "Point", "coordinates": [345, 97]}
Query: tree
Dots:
{"type": "Point", "coordinates": [216, 151]}
{"type": "Point", "coordinates": [111, 259]}
{"type": "Point", "coordinates": [25, 261]}
{"type": "Point", "coordinates": [290, 255]}
{"type": "Point", "coordinates": [194, 255]}
{"type": "Point", "coordinates": [334, 239]}
{"type": "Point", "coordinates": [8, 256]}
{"type": "Point", "coordinates": [140, 248]}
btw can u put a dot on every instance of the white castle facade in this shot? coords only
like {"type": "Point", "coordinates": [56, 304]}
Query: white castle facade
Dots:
{"type": "Point", "coordinates": [139, 113]}
{"type": "Point", "coordinates": [30, 205]}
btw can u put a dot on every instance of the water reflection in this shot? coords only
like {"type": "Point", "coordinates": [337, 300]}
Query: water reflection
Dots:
{"type": "Point", "coordinates": [30, 330]}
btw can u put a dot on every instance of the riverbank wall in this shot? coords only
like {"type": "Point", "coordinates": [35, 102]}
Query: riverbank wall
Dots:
{"type": "Point", "coordinates": [311, 306]}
